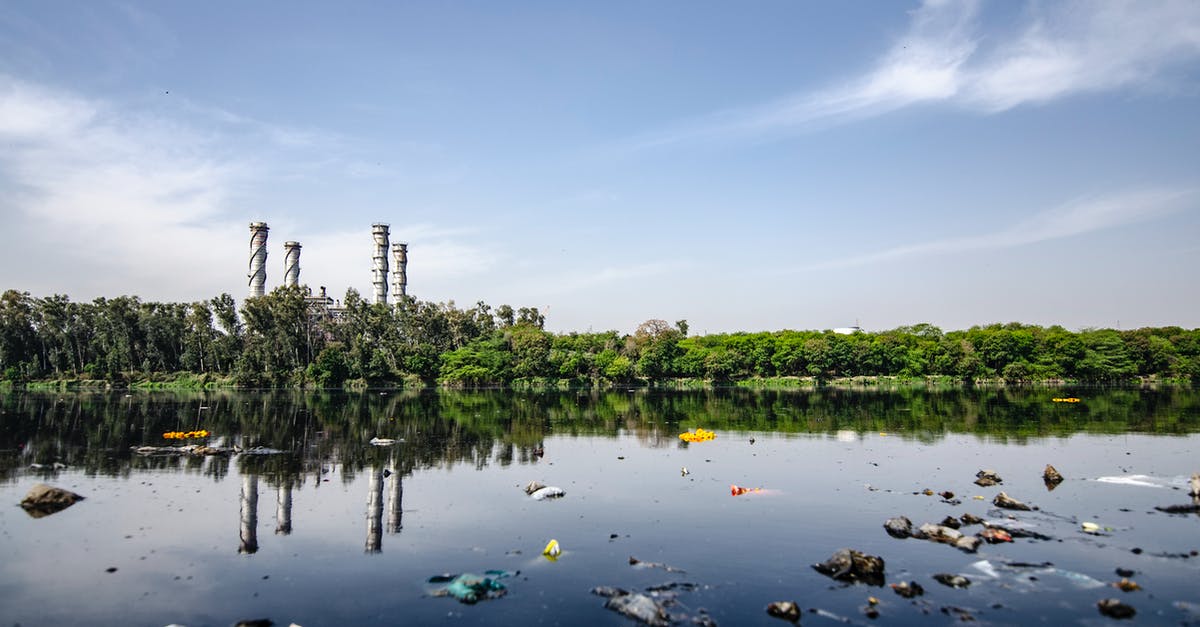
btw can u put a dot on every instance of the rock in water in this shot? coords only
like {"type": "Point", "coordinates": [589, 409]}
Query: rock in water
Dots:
{"type": "Point", "coordinates": [1051, 476]}
{"type": "Point", "coordinates": [954, 581]}
{"type": "Point", "coordinates": [898, 527]}
{"type": "Point", "coordinates": [985, 478]}
{"type": "Point", "coordinates": [44, 500]}
{"type": "Point", "coordinates": [1114, 608]}
{"type": "Point", "coordinates": [786, 610]}
{"type": "Point", "coordinates": [908, 589]}
{"type": "Point", "coordinates": [1008, 502]}
{"type": "Point", "coordinates": [853, 566]}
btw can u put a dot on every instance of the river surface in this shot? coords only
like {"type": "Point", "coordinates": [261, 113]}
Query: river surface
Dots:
{"type": "Point", "coordinates": [323, 528]}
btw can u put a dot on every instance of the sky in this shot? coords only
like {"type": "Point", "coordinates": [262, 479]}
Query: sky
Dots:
{"type": "Point", "coordinates": [744, 166]}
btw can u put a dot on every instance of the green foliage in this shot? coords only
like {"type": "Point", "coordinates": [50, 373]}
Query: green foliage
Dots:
{"type": "Point", "coordinates": [286, 338]}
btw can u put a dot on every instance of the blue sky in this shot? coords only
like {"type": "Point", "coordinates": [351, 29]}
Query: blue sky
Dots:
{"type": "Point", "coordinates": [757, 166]}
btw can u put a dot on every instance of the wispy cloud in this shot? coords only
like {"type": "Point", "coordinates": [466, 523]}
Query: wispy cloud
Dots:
{"type": "Point", "coordinates": [947, 56]}
{"type": "Point", "coordinates": [1068, 220]}
{"type": "Point", "coordinates": [111, 200]}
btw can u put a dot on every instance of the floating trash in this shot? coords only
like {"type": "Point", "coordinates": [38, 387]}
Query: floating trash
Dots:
{"type": "Point", "coordinates": [471, 588]}
{"type": "Point", "coordinates": [1070, 399]}
{"type": "Point", "coordinates": [185, 435]}
{"type": "Point", "coordinates": [699, 435]}
{"type": "Point", "coordinates": [384, 441]}
{"type": "Point", "coordinates": [737, 490]}
{"type": "Point", "coordinates": [552, 550]}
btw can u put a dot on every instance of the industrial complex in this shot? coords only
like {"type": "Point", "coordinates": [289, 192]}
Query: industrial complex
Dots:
{"type": "Point", "coordinates": [291, 267]}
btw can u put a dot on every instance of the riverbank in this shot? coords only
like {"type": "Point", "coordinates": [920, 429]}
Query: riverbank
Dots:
{"type": "Point", "coordinates": [190, 381]}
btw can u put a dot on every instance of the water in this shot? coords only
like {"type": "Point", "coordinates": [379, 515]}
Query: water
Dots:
{"type": "Point", "coordinates": [318, 536]}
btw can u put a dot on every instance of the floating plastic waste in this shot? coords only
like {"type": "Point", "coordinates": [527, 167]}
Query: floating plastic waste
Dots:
{"type": "Point", "coordinates": [471, 588]}
{"type": "Point", "coordinates": [185, 435]}
{"type": "Point", "coordinates": [699, 435]}
{"type": "Point", "coordinates": [737, 490]}
{"type": "Point", "coordinates": [552, 550]}
{"type": "Point", "coordinates": [384, 441]}
{"type": "Point", "coordinates": [1070, 399]}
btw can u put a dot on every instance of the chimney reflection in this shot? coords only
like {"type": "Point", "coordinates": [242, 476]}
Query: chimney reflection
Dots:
{"type": "Point", "coordinates": [283, 508]}
{"type": "Point", "coordinates": [395, 496]}
{"type": "Point", "coordinates": [375, 513]}
{"type": "Point", "coordinates": [249, 531]}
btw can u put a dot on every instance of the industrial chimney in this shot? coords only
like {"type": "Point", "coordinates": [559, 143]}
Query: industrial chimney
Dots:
{"type": "Point", "coordinates": [258, 258]}
{"type": "Point", "coordinates": [380, 233]}
{"type": "Point", "coordinates": [291, 264]}
{"type": "Point", "coordinates": [400, 277]}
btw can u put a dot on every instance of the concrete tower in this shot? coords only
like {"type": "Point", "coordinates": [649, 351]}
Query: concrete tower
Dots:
{"type": "Point", "coordinates": [380, 233]}
{"type": "Point", "coordinates": [400, 277]}
{"type": "Point", "coordinates": [291, 264]}
{"type": "Point", "coordinates": [258, 258]}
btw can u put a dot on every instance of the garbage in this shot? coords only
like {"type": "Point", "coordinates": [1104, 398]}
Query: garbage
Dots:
{"type": "Point", "coordinates": [651, 608]}
{"type": "Point", "coordinates": [185, 435]}
{"type": "Point", "coordinates": [946, 494]}
{"type": "Point", "coordinates": [946, 535]}
{"type": "Point", "coordinates": [1194, 485]}
{"type": "Point", "coordinates": [736, 490]}
{"type": "Point", "coordinates": [985, 478]}
{"type": "Point", "coordinates": [951, 522]}
{"type": "Point", "coordinates": [908, 589]}
{"type": "Point", "coordinates": [640, 608]}
{"type": "Point", "coordinates": [970, 519]}
{"type": "Point", "coordinates": [539, 492]}
{"type": "Point", "coordinates": [1051, 477]}
{"type": "Point", "coordinates": [1127, 585]}
{"type": "Point", "coordinates": [853, 566]}
{"type": "Point", "coordinates": [1016, 529]}
{"type": "Point", "coordinates": [787, 610]}
{"type": "Point", "coordinates": [633, 561]}
{"type": "Point", "coordinates": [683, 471]}
{"type": "Point", "coordinates": [954, 581]}
{"type": "Point", "coordinates": [1191, 508]}
{"type": "Point", "coordinates": [552, 550]}
{"type": "Point", "coordinates": [43, 500]}
{"type": "Point", "coordinates": [1008, 502]}
{"type": "Point", "coordinates": [1145, 481]}
{"type": "Point", "coordinates": [994, 535]}
{"type": "Point", "coordinates": [699, 435]}
{"type": "Point", "coordinates": [1093, 528]}
{"type": "Point", "coordinates": [383, 441]}
{"type": "Point", "coordinates": [871, 609]}
{"type": "Point", "coordinates": [471, 588]}
{"type": "Point", "coordinates": [1070, 399]}
{"type": "Point", "coordinates": [899, 527]}
{"type": "Point", "coordinates": [1114, 608]}
{"type": "Point", "coordinates": [1022, 573]}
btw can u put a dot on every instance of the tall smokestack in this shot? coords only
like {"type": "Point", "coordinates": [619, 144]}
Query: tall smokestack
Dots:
{"type": "Point", "coordinates": [258, 258]}
{"type": "Point", "coordinates": [400, 277]}
{"type": "Point", "coordinates": [380, 233]}
{"type": "Point", "coordinates": [291, 264]}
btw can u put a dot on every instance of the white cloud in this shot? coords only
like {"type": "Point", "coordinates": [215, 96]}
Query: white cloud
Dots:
{"type": "Point", "coordinates": [112, 201]}
{"type": "Point", "coordinates": [1071, 219]}
{"type": "Point", "coordinates": [946, 56]}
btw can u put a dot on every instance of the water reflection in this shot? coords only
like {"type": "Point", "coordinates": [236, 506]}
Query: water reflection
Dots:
{"type": "Point", "coordinates": [375, 512]}
{"type": "Point", "coordinates": [96, 431]}
{"type": "Point", "coordinates": [249, 510]}
{"type": "Point", "coordinates": [283, 508]}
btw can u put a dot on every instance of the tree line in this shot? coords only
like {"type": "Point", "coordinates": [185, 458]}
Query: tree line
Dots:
{"type": "Point", "coordinates": [286, 338]}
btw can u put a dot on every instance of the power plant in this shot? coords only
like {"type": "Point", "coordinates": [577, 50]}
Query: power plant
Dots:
{"type": "Point", "coordinates": [291, 266]}
{"type": "Point", "coordinates": [380, 267]}
{"type": "Point", "coordinates": [400, 278]}
{"type": "Point", "coordinates": [258, 258]}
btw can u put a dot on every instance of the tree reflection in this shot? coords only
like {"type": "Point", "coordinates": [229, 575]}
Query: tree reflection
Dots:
{"type": "Point", "coordinates": [95, 431]}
